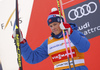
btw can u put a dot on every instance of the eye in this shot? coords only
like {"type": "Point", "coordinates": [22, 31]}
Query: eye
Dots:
{"type": "Point", "coordinates": [55, 24]}
{"type": "Point", "coordinates": [50, 25]}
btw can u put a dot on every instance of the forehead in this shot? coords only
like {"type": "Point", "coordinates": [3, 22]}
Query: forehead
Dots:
{"type": "Point", "coordinates": [54, 23]}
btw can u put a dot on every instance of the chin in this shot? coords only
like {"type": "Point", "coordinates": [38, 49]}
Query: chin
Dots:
{"type": "Point", "coordinates": [56, 33]}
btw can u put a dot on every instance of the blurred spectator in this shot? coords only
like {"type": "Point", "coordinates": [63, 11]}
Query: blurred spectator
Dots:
{"type": "Point", "coordinates": [0, 66]}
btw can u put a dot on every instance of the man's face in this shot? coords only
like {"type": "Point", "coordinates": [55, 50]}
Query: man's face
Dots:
{"type": "Point", "coordinates": [55, 28]}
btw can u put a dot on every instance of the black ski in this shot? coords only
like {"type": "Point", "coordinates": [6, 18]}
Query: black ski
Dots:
{"type": "Point", "coordinates": [17, 38]}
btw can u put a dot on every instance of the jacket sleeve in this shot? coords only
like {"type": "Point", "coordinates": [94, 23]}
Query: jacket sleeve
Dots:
{"type": "Point", "coordinates": [80, 41]}
{"type": "Point", "coordinates": [35, 56]}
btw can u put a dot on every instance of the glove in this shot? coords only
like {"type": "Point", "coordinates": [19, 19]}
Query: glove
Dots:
{"type": "Point", "coordinates": [22, 40]}
{"type": "Point", "coordinates": [66, 26]}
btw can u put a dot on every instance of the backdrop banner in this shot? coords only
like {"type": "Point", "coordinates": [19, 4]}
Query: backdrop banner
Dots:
{"type": "Point", "coordinates": [85, 15]}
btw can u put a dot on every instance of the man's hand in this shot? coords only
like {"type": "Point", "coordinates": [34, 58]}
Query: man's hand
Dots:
{"type": "Point", "coordinates": [22, 40]}
{"type": "Point", "coordinates": [66, 26]}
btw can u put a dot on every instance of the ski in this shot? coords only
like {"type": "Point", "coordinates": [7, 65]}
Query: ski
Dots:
{"type": "Point", "coordinates": [17, 38]}
{"type": "Point", "coordinates": [60, 6]}
{"type": "Point", "coordinates": [58, 3]}
{"type": "Point", "coordinates": [67, 35]}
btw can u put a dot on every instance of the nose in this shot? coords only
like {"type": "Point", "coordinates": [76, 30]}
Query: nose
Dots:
{"type": "Point", "coordinates": [53, 27]}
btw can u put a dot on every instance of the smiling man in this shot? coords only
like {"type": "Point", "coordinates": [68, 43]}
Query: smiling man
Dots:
{"type": "Point", "coordinates": [54, 45]}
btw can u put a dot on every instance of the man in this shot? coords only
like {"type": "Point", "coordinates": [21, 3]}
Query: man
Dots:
{"type": "Point", "coordinates": [54, 46]}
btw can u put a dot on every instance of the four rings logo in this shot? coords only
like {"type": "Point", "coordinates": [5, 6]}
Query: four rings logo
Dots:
{"type": "Point", "coordinates": [80, 11]}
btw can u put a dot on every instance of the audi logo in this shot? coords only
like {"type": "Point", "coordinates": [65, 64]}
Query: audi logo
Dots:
{"type": "Point", "coordinates": [80, 11]}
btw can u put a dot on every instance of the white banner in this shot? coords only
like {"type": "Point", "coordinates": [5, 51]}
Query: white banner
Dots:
{"type": "Point", "coordinates": [8, 53]}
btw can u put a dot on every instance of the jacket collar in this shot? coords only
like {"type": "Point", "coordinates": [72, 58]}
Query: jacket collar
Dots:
{"type": "Point", "coordinates": [60, 35]}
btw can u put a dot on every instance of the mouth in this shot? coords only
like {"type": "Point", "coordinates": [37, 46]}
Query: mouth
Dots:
{"type": "Point", "coordinates": [54, 31]}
